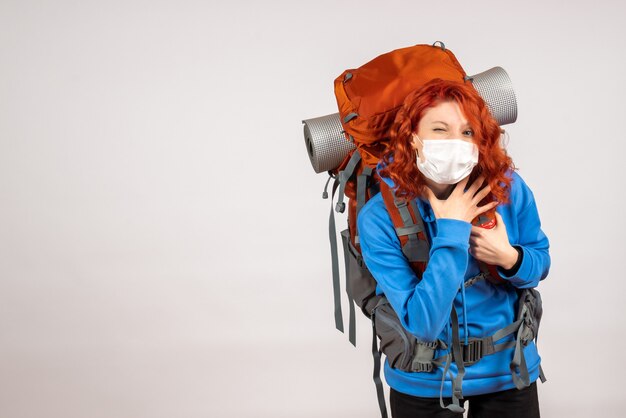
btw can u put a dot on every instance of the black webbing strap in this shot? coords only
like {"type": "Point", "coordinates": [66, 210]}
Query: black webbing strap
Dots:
{"type": "Point", "coordinates": [362, 183]}
{"type": "Point", "coordinates": [332, 234]}
{"type": "Point", "coordinates": [542, 376]}
{"type": "Point", "coordinates": [352, 317]}
{"type": "Point", "coordinates": [361, 187]}
{"type": "Point", "coordinates": [376, 375]}
{"type": "Point", "coordinates": [423, 248]}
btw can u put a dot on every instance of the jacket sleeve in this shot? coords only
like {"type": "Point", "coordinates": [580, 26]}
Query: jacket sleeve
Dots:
{"type": "Point", "coordinates": [532, 240]}
{"type": "Point", "coordinates": [423, 306]}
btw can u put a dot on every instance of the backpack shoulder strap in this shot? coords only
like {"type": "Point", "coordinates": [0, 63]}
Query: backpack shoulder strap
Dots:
{"type": "Point", "coordinates": [409, 228]}
{"type": "Point", "coordinates": [411, 232]}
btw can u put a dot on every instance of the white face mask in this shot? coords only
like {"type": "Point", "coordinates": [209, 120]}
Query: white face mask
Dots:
{"type": "Point", "coordinates": [447, 161]}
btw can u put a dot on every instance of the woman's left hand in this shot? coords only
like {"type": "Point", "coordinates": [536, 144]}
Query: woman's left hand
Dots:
{"type": "Point", "coordinates": [492, 245]}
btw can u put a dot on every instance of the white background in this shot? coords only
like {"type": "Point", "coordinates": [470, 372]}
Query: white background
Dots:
{"type": "Point", "coordinates": [163, 241]}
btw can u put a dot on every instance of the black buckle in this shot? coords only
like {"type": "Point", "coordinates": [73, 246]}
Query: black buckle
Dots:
{"type": "Point", "coordinates": [422, 367]}
{"type": "Point", "coordinates": [473, 352]}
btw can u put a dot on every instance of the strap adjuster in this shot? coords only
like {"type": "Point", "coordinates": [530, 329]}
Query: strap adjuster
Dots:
{"type": "Point", "coordinates": [472, 352]}
{"type": "Point", "coordinates": [422, 367]}
{"type": "Point", "coordinates": [400, 203]}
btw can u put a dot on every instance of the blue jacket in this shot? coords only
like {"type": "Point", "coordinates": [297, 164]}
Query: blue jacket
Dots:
{"type": "Point", "coordinates": [423, 306]}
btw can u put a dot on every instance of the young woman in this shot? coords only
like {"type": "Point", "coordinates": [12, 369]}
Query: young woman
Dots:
{"type": "Point", "coordinates": [445, 153]}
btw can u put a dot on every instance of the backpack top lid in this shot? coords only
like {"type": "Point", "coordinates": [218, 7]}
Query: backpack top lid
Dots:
{"type": "Point", "coordinates": [368, 97]}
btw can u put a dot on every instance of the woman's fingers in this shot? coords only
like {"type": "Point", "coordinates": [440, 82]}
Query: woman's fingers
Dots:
{"type": "Point", "coordinates": [461, 204]}
{"type": "Point", "coordinates": [459, 188]}
{"type": "Point", "coordinates": [485, 208]}
{"type": "Point", "coordinates": [481, 194]}
{"type": "Point", "coordinates": [476, 185]}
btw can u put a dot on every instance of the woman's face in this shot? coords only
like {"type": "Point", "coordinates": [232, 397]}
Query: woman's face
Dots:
{"type": "Point", "coordinates": [443, 121]}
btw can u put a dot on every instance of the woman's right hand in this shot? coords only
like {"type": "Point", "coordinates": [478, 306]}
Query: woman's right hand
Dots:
{"type": "Point", "coordinates": [461, 204]}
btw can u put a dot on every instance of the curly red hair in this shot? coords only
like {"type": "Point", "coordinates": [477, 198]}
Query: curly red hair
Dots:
{"type": "Point", "coordinates": [399, 157]}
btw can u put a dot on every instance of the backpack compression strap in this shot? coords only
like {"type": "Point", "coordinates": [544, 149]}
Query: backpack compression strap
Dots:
{"type": "Point", "coordinates": [341, 181]}
{"type": "Point", "coordinates": [332, 233]}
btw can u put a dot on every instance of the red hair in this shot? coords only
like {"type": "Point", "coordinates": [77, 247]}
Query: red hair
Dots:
{"type": "Point", "coordinates": [399, 157]}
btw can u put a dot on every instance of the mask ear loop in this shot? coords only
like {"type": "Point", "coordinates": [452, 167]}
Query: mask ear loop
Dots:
{"type": "Point", "coordinates": [421, 142]}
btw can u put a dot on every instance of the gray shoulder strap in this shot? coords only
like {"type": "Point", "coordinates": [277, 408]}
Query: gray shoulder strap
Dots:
{"type": "Point", "coordinates": [415, 249]}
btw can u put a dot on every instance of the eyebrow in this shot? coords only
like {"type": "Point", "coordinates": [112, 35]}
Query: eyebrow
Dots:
{"type": "Point", "coordinates": [439, 121]}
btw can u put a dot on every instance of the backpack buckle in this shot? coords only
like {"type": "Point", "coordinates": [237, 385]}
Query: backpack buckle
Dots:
{"type": "Point", "coordinates": [472, 352]}
{"type": "Point", "coordinates": [400, 203]}
{"type": "Point", "coordinates": [423, 355]}
{"type": "Point", "coordinates": [422, 367]}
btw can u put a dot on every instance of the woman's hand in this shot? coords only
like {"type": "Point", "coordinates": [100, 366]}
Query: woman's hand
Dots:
{"type": "Point", "coordinates": [461, 204]}
{"type": "Point", "coordinates": [492, 245]}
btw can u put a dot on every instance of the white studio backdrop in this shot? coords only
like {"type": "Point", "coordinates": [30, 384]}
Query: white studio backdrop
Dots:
{"type": "Point", "coordinates": [163, 242]}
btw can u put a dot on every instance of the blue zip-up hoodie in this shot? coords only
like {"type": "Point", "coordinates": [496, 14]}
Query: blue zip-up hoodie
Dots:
{"type": "Point", "coordinates": [424, 306]}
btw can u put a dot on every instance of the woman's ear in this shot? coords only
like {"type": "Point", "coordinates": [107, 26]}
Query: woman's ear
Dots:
{"type": "Point", "coordinates": [416, 141]}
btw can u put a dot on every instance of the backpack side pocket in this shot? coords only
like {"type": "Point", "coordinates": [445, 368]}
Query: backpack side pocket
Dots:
{"type": "Point", "coordinates": [360, 284]}
{"type": "Point", "coordinates": [395, 341]}
{"type": "Point", "coordinates": [532, 299]}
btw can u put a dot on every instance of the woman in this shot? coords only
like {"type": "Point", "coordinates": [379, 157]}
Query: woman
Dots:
{"type": "Point", "coordinates": [445, 153]}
